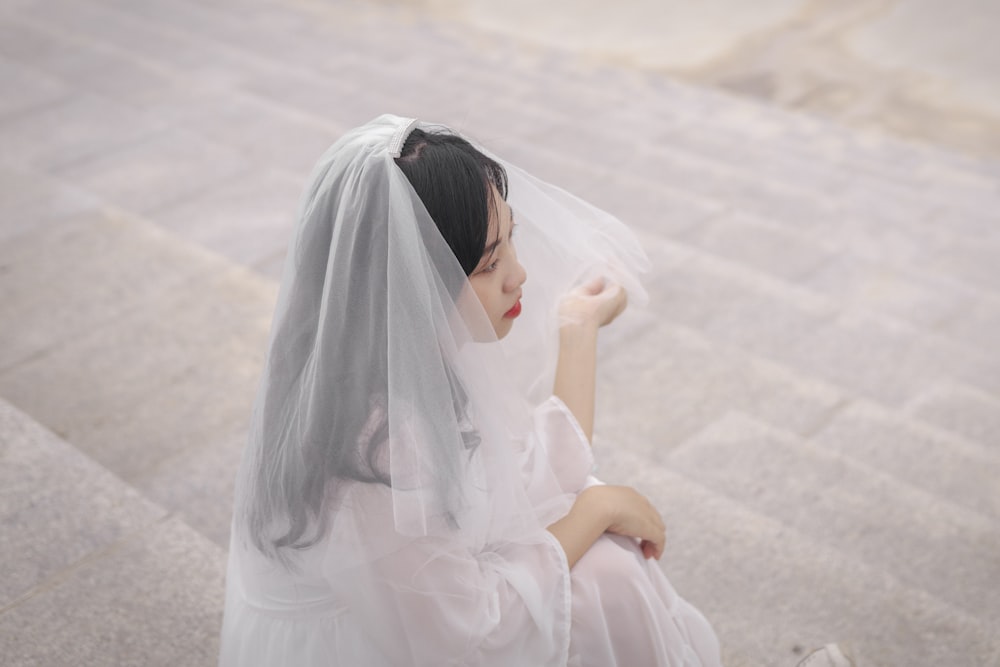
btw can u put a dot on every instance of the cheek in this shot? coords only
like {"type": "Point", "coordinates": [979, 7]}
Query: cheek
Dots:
{"type": "Point", "coordinates": [484, 290]}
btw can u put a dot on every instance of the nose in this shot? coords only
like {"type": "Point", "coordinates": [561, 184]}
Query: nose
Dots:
{"type": "Point", "coordinates": [517, 277]}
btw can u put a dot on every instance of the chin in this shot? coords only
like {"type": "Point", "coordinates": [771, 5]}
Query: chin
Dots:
{"type": "Point", "coordinates": [503, 328]}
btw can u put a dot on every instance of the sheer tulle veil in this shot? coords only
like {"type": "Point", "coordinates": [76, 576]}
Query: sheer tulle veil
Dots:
{"type": "Point", "coordinates": [383, 371]}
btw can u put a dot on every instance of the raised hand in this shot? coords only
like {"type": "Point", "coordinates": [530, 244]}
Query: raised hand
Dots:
{"type": "Point", "coordinates": [595, 303]}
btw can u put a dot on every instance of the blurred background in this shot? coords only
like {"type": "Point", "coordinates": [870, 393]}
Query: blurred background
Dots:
{"type": "Point", "coordinates": [811, 396]}
{"type": "Point", "coordinates": [920, 69]}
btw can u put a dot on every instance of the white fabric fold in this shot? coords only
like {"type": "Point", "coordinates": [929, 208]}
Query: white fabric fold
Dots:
{"type": "Point", "coordinates": [402, 464]}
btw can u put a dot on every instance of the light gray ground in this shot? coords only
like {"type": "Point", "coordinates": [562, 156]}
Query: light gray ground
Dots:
{"type": "Point", "coordinates": [811, 397]}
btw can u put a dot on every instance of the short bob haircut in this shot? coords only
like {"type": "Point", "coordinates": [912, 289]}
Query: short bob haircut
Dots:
{"type": "Point", "coordinates": [455, 183]}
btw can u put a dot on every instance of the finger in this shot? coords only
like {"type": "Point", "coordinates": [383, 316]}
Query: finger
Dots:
{"type": "Point", "coordinates": [594, 286]}
{"type": "Point", "coordinates": [609, 288]}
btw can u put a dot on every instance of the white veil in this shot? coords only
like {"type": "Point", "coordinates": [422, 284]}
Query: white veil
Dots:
{"type": "Point", "coordinates": [387, 411]}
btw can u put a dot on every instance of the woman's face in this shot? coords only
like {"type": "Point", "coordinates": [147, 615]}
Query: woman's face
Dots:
{"type": "Point", "coordinates": [498, 277]}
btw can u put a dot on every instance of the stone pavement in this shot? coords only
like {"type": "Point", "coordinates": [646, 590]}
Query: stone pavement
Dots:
{"type": "Point", "coordinates": [812, 397]}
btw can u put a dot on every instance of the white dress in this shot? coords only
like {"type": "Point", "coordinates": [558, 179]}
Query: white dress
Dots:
{"type": "Point", "coordinates": [512, 604]}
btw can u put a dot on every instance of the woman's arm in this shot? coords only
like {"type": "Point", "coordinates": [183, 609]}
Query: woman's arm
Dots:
{"type": "Point", "coordinates": [576, 372]}
{"type": "Point", "coordinates": [582, 312]}
{"type": "Point", "coordinates": [614, 509]}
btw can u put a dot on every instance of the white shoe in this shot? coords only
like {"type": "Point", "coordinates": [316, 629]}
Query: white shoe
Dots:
{"type": "Point", "coordinates": [828, 656]}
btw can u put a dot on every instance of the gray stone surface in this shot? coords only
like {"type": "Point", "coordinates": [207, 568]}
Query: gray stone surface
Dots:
{"type": "Point", "coordinates": [30, 200]}
{"type": "Point", "coordinates": [247, 219]}
{"type": "Point", "coordinates": [196, 484]}
{"type": "Point", "coordinates": [932, 459]}
{"type": "Point", "coordinates": [785, 593]}
{"type": "Point", "coordinates": [72, 129]}
{"type": "Point", "coordinates": [153, 598]}
{"type": "Point", "coordinates": [199, 365]}
{"type": "Point", "coordinates": [33, 90]}
{"type": "Point", "coordinates": [839, 502]}
{"type": "Point", "coordinates": [762, 245]}
{"type": "Point", "coordinates": [960, 409]}
{"type": "Point", "coordinates": [882, 359]}
{"type": "Point", "coordinates": [696, 382]}
{"type": "Point", "coordinates": [267, 135]}
{"type": "Point", "coordinates": [57, 508]}
{"type": "Point", "coordinates": [836, 286]}
{"type": "Point", "coordinates": [159, 171]}
{"type": "Point", "coordinates": [68, 278]}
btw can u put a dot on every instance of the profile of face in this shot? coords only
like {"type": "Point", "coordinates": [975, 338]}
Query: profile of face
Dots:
{"type": "Point", "coordinates": [498, 277]}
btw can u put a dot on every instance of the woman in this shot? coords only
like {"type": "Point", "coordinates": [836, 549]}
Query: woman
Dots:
{"type": "Point", "coordinates": [416, 488]}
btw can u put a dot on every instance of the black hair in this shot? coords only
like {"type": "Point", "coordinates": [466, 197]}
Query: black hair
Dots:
{"type": "Point", "coordinates": [453, 180]}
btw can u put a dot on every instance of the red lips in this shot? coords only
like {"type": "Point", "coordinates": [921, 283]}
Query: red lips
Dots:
{"type": "Point", "coordinates": [514, 311]}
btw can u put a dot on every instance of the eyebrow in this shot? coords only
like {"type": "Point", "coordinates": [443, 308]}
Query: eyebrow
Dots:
{"type": "Point", "coordinates": [488, 250]}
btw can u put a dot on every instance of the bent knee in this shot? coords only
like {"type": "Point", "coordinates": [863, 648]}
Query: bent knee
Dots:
{"type": "Point", "coordinates": [609, 571]}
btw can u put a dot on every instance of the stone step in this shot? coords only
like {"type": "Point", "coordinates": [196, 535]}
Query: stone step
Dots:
{"type": "Point", "coordinates": [963, 471]}
{"type": "Point", "coordinates": [726, 124]}
{"type": "Point", "coordinates": [122, 261]}
{"type": "Point", "coordinates": [852, 271]}
{"type": "Point", "coordinates": [92, 573]}
{"type": "Point", "coordinates": [773, 591]}
{"type": "Point", "coordinates": [743, 184]}
{"type": "Point", "coordinates": [960, 409]}
{"type": "Point", "coordinates": [145, 355]}
{"type": "Point", "coordinates": [778, 147]}
{"type": "Point", "coordinates": [880, 358]}
{"type": "Point", "coordinates": [661, 383]}
{"type": "Point", "coordinates": [925, 540]}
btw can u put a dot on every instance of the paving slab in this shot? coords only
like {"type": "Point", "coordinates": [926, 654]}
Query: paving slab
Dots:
{"type": "Point", "coordinates": [31, 89]}
{"type": "Point", "coordinates": [977, 326]}
{"type": "Point", "coordinates": [772, 592]}
{"type": "Point", "coordinates": [121, 262]}
{"type": "Point", "coordinates": [917, 297]}
{"type": "Point", "coordinates": [762, 245]}
{"type": "Point", "coordinates": [737, 306]}
{"type": "Point", "coordinates": [197, 484]}
{"type": "Point", "coordinates": [71, 130]}
{"type": "Point", "coordinates": [315, 93]}
{"type": "Point", "coordinates": [149, 362]}
{"type": "Point", "coordinates": [51, 54]}
{"type": "Point", "coordinates": [178, 371]}
{"type": "Point", "coordinates": [964, 471]}
{"type": "Point", "coordinates": [925, 540]}
{"type": "Point", "coordinates": [660, 210]}
{"type": "Point", "coordinates": [662, 384]}
{"type": "Point", "coordinates": [963, 410]}
{"type": "Point", "coordinates": [248, 219]}
{"type": "Point", "coordinates": [267, 135]}
{"type": "Point", "coordinates": [57, 508]}
{"type": "Point", "coordinates": [160, 170]}
{"type": "Point", "coordinates": [875, 357]}
{"type": "Point", "coordinates": [29, 200]}
{"type": "Point", "coordinates": [199, 60]}
{"type": "Point", "coordinates": [154, 598]}
{"type": "Point", "coordinates": [971, 261]}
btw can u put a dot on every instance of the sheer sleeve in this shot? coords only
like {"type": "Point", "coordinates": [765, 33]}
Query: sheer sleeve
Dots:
{"type": "Point", "coordinates": [433, 603]}
{"type": "Point", "coordinates": [437, 601]}
{"type": "Point", "coordinates": [557, 458]}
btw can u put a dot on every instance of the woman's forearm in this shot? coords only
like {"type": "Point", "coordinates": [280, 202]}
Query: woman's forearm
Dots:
{"type": "Point", "coordinates": [578, 530]}
{"type": "Point", "coordinates": [576, 372]}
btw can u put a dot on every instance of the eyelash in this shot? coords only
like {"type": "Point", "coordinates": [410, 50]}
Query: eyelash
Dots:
{"type": "Point", "coordinates": [493, 266]}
